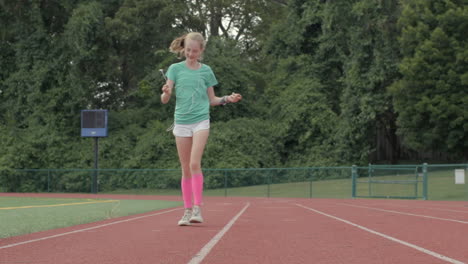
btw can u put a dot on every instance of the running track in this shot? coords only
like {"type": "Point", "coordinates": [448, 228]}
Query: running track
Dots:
{"type": "Point", "coordinates": [259, 230]}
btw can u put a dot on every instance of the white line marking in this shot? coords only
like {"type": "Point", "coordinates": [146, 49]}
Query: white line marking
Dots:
{"type": "Point", "coordinates": [57, 205]}
{"type": "Point", "coordinates": [403, 213]}
{"type": "Point", "coordinates": [439, 209]}
{"type": "Point", "coordinates": [421, 207]}
{"type": "Point", "coordinates": [198, 258]}
{"type": "Point", "coordinates": [85, 229]}
{"type": "Point", "coordinates": [434, 254]}
{"type": "Point", "coordinates": [277, 207]}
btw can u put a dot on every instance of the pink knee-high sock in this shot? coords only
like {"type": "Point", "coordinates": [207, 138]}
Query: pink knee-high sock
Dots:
{"type": "Point", "coordinates": [186, 186]}
{"type": "Point", "coordinates": [197, 187]}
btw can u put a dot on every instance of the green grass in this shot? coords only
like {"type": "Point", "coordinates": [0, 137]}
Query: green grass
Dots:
{"type": "Point", "coordinates": [441, 186]}
{"type": "Point", "coordinates": [19, 221]}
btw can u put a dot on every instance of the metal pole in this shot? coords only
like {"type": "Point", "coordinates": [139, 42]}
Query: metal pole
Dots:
{"type": "Point", "coordinates": [96, 151]}
{"type": "Point", "coordinates": [48, 180]}
{"type": "Point", "coordinates": [225, 183]}
{"type": "Point", "coordinates": [425, 179]}
{"type": "Point", "coordinates": [268, 190]}
{"type": "Point", "coordinates": [354, 179]}
{"type": "Point", "coordinates": [311, 179]}
{"type": "Point", "coordinates": [369, 179]}
{"type": "Point", "coordinates": [416, 183]}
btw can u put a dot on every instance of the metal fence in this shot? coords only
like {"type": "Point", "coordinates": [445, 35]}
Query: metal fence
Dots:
{"type": "Point", "coordinates": [381, 181]}
{"type": "Point", "coordinates": [420, 181]}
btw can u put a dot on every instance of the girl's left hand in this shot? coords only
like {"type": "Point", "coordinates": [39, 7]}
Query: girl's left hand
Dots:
{"type": "Point", "coordinates": [234, 98]}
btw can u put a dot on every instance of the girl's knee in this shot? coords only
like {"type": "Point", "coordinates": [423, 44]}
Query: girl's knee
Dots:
{"type": "Point", "coordinates": [186, 172]}
{"type": "Point", "coordinates": [195, 167]}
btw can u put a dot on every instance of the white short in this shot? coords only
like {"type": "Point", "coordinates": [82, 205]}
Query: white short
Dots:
{"type": "Point", "coordinates": [190, 129]}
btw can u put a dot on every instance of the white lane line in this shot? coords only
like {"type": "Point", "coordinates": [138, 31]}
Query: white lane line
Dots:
{"type": "Point", "coordinates": [85, 229]}
{"type": "Point", "coordinates": [428, 208]}
{"type": "Point", "coordinates": [440, 209]}
{"type": "Point", "coordinates": [198, 258]}
{"type": "Point", "coordinates": [57, 205]}
{"type": "Point", "coordinates": [432, 253]}
{"type": "Point", "coordinates": [277, 207]}
{"type": "Point", "coordinates": [403, 213]}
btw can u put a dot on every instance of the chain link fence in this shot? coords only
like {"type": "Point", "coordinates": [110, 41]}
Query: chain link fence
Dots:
{"type": "Point", "coordinates": [421, 181]}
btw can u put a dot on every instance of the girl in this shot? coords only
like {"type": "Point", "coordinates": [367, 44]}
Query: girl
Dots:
{"type": "Point", "coordinates": [193, 83]}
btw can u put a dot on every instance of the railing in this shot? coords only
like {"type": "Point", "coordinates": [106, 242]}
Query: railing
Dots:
{"type": "Point", "coordinates": [420, 181]}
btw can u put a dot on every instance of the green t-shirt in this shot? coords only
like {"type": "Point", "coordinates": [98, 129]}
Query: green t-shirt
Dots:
{"type": "Point", "coordinates": [192, 102]}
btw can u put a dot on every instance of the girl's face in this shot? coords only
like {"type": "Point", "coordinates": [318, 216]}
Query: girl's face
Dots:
{"type": "Point", "coordinates": [193, 50]}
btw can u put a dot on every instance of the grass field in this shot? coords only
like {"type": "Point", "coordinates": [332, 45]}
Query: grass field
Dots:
{"type": "Point", "coordinates": [26, 215]}
{"type": "Point", "coordinates": [441, 186]}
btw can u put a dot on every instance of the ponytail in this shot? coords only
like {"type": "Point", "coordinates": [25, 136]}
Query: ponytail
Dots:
{"type": "Point", "coordinates": [178, 45]}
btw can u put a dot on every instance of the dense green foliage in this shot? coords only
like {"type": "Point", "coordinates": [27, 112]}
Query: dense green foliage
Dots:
{"type": "Point", "coordinates": [324, 82]}
{"type": "Point", "coordinates": [431, 97]}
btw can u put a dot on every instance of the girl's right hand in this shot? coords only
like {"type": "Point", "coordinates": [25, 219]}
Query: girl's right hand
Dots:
{"type": "Point", "coordinates": [166, 89]}
{"type": "Point", "coordinates": [234, 98]}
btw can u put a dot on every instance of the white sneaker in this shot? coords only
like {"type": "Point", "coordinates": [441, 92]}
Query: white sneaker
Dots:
{"type": "Point", "coordinates": [185, 220]}
{"type": "Point", "coordinates": [196, 215]}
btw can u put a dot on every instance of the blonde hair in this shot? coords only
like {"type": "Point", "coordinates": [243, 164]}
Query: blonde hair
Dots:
{"type": "Point", "coordinates": [178, 45]}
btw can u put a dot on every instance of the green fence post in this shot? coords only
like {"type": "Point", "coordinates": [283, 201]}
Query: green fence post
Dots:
{"type": "Point", "coordinates": [354, 178]}
{"type": "Point", "coordinates": [311, 179]}
{"type": "Point", "coordinates": [48, 180]}
{"type": "Point", "coordinates": [425, 179]}
{"type": "Point", "coordinates": [268, 189]}
{"type": "Point", "coordinates": [225, 183]}
{"type": "Point", "coordinates": [92, 172]}
{"type": "Point", "coordinates": [416, 183]}
{"type": "Point", "coordinates": [369, 179]}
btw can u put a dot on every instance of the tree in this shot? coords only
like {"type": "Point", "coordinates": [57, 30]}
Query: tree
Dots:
{"type": "Point", "coordinates": [369, 62]}
{"type": "Point", "coordinates": [352, 57]}
{"type": "Point", "coordinates": [431, 96]}
{"type": "Point", "coordinates": [243, 21]}
{"type": "Point", "coordinates": [302, 114]}
{"type": "Point", "coordinates": [64, 56]}
{"type": "Point", "coordinates": [30, 40]}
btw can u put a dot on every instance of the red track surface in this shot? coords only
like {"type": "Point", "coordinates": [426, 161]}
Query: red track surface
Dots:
{"type": "Point", "coordinates": [261, 230]}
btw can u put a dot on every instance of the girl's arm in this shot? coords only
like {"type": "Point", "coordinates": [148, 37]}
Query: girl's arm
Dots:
{"type": "Point", "coordinates": [214, 100]}
{"type": "Point", "coordinates": [167, 91]}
